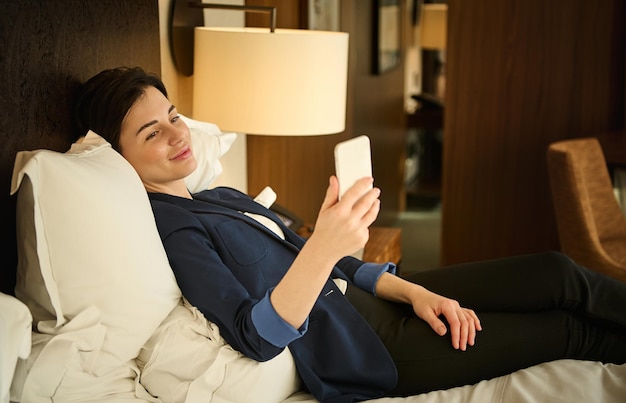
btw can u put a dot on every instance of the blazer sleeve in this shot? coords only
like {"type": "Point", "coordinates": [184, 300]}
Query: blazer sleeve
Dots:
{"type": "Point", "coordinates": [208, 283]}
{"type": "Point", "coordinates": [364, 275]}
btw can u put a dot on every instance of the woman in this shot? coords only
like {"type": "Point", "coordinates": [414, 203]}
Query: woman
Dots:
{"type": "Point", "coordinates": [267, 289]}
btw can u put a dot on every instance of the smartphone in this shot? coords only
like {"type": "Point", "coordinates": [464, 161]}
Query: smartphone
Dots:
{"type": "Point", "coordinates": [353, 161]}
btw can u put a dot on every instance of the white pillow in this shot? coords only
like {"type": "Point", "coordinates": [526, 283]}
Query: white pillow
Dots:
{"type": "Point", "coordinates": [208, 144]}
{"type": "Point", "coordinates": [15, 332]}
{"type": "Point", "coordinates": [187, 360]}
{"type": "Point", "coordinates": [87, 238]}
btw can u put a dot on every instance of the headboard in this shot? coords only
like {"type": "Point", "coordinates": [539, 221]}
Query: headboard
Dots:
{"type": "Point", "coordinates": [47, 48]}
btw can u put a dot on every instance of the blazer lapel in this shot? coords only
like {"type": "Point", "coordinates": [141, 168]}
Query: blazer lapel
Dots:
{"type": "Point", "coordinates": [210, 202]}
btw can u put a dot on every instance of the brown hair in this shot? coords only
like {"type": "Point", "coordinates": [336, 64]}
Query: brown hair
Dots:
{"type": "Point", "coordinates": [104, 100]}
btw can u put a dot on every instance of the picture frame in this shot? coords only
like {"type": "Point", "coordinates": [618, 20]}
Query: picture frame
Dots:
{"type": "Point", "coordinates": [387, 23]}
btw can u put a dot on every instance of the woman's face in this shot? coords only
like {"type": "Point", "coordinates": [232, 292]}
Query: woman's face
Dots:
{"type": "Point", "coordinates": [157, 143]}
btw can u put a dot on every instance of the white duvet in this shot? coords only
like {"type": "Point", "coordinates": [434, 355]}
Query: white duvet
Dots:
{"type": "Point", "coordinates": [186, 360]}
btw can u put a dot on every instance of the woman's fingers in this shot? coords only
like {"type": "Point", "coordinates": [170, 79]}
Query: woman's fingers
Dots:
{"type": "Point", "coordinates": [463, 324]}
{"type": "Point", "coordinates": [473, 319]}
{"type": "Point", "coordinates": [343, 225]}
{"type": "Point", "coordinates": [458, 328]}
{"type": "Point", "coordinates": [437, 325]}
{"type": "Point", "coordinates": [332, 193]}
{"type": "Point", "coordinates": [363, 200]}
{"type": "Point", "coordinates": [359, 206]}
{"type": "Point", "coordinates": [358, 190]}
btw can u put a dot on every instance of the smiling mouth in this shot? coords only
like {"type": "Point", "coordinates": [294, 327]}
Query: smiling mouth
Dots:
{"type": "Point", "coordinates": [183, 154]}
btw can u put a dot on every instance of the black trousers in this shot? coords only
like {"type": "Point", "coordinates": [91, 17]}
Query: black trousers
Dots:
{"type": "Point", "coordinates": [533, 309]}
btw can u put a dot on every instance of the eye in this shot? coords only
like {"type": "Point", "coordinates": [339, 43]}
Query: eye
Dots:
{"type": "Point", "coordinates": [175, 119]}
{"type": "Point", "coordinates": [151, 135]}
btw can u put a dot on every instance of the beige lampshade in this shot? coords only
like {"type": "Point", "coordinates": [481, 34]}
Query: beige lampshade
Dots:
{"type": "Point", "coordinates": [290, 82]}
{"type": "Point", "coordinates": [434, 25]}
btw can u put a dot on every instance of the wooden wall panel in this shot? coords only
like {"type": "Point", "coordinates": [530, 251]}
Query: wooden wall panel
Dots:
{"type": "Point", "coordinates": [378, 111]}
{"type": "Point", "coordinates": [47, 48]}
{"type": "Point", "coordinates": [520, 75]}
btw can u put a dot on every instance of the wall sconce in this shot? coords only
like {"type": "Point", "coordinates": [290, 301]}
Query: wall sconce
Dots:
{"type": "Point", "coordinates": [262, 81]}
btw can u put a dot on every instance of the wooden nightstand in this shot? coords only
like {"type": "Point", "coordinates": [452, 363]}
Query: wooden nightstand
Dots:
{"type": "Point", "coordinates": [384, 245]}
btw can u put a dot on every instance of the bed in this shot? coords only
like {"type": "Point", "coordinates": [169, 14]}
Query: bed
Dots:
{"type": "Point", "coordinates": [80, 323]}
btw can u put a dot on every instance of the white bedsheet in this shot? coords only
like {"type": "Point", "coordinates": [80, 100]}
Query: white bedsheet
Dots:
{"type": "Point", "coordinates": [565, 381]}
{"type": "Point", "coordinates": [559, 381]}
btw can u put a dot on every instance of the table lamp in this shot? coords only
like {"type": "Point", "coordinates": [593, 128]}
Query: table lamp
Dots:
{"type": "Point", "coordinates": [434, 26]}
{"type": "Point", "coordinates": [284, 82]}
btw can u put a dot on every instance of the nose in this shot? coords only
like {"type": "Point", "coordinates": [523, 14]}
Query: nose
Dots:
{"type": "Point", "coordinates": [177, 132]}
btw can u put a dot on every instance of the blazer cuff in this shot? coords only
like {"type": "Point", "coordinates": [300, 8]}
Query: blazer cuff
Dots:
{"type": "Point", "coordinates": [368, 274]}
{"type": "Point", "coordinates": [271, 327]}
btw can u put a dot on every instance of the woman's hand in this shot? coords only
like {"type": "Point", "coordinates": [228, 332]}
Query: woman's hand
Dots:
{"type": "Point", "coordinates": [431, 307]}
{"type": "Point", "coordinates": [342, 227]}
{"type": "Point", "coordinates": [463, 322]}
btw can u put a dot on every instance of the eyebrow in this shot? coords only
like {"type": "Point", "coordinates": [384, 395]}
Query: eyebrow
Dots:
{"type": "Point", "coordinates": [152, 122]}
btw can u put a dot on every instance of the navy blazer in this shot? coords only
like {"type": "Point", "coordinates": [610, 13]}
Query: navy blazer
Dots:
{"type": "Point", "coordinates": [225, 262]}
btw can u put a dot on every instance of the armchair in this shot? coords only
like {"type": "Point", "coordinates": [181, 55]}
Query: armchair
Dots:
{"type": "Point", "coordinates": [591, 225]}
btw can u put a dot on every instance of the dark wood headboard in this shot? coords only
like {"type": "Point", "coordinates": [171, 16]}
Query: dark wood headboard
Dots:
{"type": "Point", "coordinates": [47, 48]}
